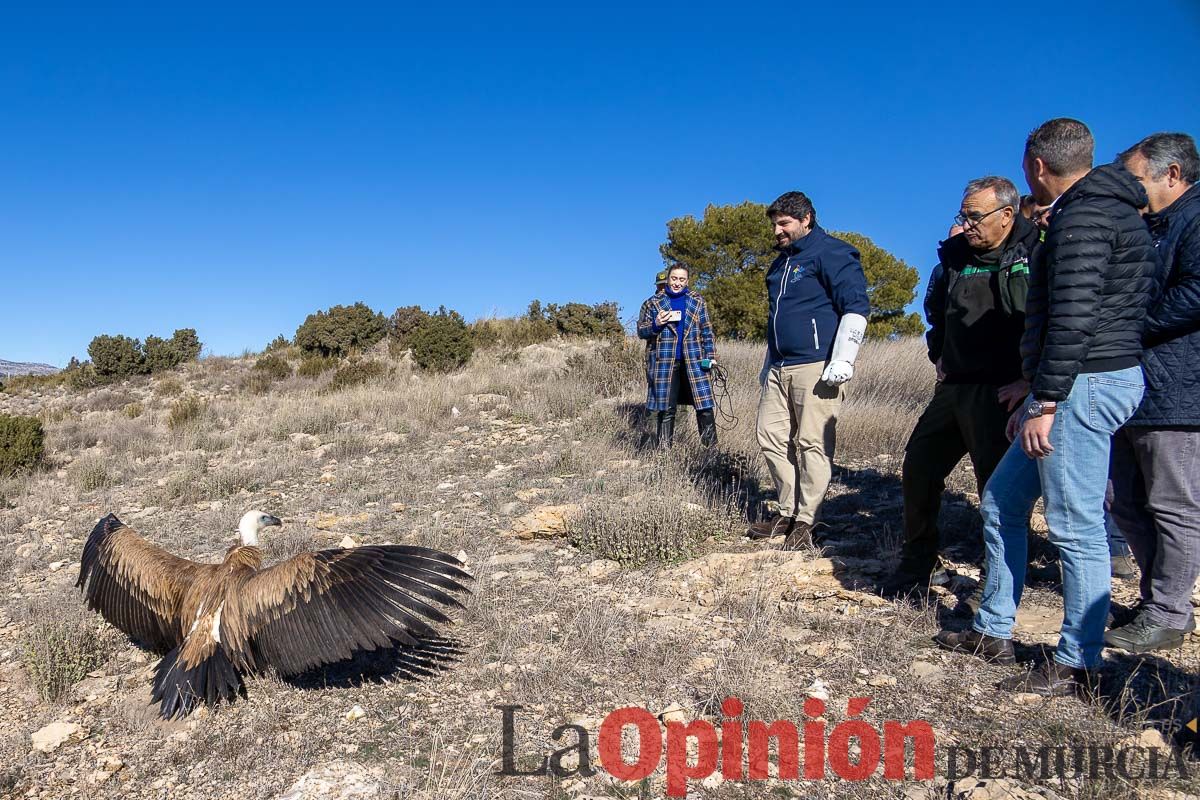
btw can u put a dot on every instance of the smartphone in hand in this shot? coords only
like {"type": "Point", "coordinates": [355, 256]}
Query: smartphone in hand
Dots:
{"type": "Point", "coordinates": [676, 316]}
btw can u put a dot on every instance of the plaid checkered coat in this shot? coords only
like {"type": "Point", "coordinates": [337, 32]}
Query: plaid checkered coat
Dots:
{"type": "Point", "coordinates": [697, 344]}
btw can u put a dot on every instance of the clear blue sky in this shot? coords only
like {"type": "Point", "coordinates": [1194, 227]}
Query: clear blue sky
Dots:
{"type": "Point", "coordinates": [234, 170]}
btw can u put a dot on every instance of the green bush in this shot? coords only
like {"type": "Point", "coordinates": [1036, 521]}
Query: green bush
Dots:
{"type": "Point", "coordinates": [355, 373]}
{"type": "Point", "coordinates": [89, 473]}
{"type": "Point", "coordinates": [578, 319]}
{"type": "Point", "coordinates": [183, 411]}
{"type": "Point", "coordinates": [442, 343]}
{"type": "Point", "coordinates": [61, 645]}
{"type": "Point", "coordinates": [637, 533]}
{"type": "Point", "coordinates": [404, 323]}
{"type": "Point", "coordinates": [168, 387]}
{"type": "Point", "coordinates": [274, 367]}
{"type": "Point", "coordinates": [315, 366]}
{"type": "Point", "coordinates": [341, 330]}
{"type": "Point", "coordinates": [278, 343]}
{"type": "Point", "coordinates": [79, 376]}
{"type": "Point", "coordinates": [22, 443]}
{"type": "Point", "coordinates": [133, 410]}
{"type": "Point", "coordinates": [116, 356]}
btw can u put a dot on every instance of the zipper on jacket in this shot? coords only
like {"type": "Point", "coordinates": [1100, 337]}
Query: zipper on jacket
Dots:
{"type": "Point", "coordinates": [816, 341]}
{"type": "Point", "coordinates": [787, 270]}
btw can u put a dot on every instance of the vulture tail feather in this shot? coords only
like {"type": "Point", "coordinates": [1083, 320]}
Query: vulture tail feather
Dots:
{"type": "Point", "coordinates": [179, 690]}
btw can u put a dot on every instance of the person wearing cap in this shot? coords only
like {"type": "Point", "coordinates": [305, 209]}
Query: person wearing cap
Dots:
{"type": "Point", "coordinates": [647, 311]}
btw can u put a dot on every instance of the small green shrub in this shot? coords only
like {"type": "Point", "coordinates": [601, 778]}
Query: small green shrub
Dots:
{"type": "Point", "coordinates": [442, 343]}
{"type": "Point", "coordinates": [355, 373]}
{"type": "Point", "coordinates": [341, 330]}
{"type": "Point", "coordinates": [316, 366]}
{"type": "Point", "coordinates": [61, 645]}
{"type": "Point", "coordinates": [601, 320]}
{"type": "Point", "coordinates": [79, 376]}
{"type": "Point", "coordinates": [183, 411]}
{"type": "Point", "coordinates": [278, 343]}
{"type": "Point", "coordinates": [274, 367]}
{"type": "Point", "coordinates": [133, 410]}
{"type": "Point", "coordinates": [22, 444]}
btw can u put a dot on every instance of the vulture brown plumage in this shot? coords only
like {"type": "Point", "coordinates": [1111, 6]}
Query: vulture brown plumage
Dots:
{"type": "Point", "coordinates": [214, 623]}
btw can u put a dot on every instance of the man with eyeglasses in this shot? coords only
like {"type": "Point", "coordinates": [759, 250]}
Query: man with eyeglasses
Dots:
{"type": "Point", "coordinates": [975, 306]}
{"type": "Point", "coordinates": [1091, 281]}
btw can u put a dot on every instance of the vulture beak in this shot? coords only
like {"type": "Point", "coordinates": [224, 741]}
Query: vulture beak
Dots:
{"type": "Point", "coordinates": [272, 521]}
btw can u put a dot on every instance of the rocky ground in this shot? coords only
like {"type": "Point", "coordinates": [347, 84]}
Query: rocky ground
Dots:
{"type": "Point", "coordinates": [584, 599]}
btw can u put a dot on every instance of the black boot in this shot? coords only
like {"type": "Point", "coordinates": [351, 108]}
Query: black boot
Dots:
{"type": "Point", "coordinates": [706, 421]}
{"type": "Point", "coordinates": [666, 429]}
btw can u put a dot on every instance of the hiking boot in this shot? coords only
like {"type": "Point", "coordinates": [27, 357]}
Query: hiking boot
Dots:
{"type": "Point", "coordinates": [777, 525]}
{"type": "Point", "coordinates": [969, 605]}
{"type": "Point", "coordinates": [1119, 616]}
{"type": "Point", "coordinates": [1051, 679]}
{"type": "Point", "coordinates": [799, 537]}
{"type": "Point", "coordinates": [972, 642]}
{"type": "Point", "coordinates": [1143, 635]}
{"type": "Point", "coordinates": [1124, 568]}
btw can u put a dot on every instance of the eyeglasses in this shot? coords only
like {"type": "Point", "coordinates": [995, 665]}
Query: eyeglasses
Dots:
{"type": "Point", "coordinates": [971, 220]}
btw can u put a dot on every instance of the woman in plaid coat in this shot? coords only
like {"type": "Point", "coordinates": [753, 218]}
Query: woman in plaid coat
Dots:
{"type": "Point", "coordinates": [675, 373]}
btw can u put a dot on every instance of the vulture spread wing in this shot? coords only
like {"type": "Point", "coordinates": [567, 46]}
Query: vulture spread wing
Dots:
{"type": "Point", "coordinates": [320, 608]}
{"type": "Point", "coordinates": [135, 585]}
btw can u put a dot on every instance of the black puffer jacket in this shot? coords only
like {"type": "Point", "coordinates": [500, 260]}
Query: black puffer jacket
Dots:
{"type": "Point", "coordinates": [1091, 281]}
{"type": "Point", "coordinates": [1171, 362]}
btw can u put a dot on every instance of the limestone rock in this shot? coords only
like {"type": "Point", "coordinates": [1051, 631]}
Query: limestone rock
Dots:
{"type": "Point", "coordinates": [544, 522]}
{"type": "Point", "coordinates": [337, 780]}
{"type": "Point", "coordinates": [55, 735]}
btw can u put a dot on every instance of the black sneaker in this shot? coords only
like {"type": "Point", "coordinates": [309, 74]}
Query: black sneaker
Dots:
{"type": "Point", "coordinates": [1143, 636]}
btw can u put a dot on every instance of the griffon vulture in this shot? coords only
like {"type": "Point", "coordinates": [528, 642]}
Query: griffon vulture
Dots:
{"type": "Point", "coordinates": [213, 623]}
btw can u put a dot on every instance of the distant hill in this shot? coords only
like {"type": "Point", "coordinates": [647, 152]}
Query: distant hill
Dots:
{"type": "Point", "coordinates": [10, 368]}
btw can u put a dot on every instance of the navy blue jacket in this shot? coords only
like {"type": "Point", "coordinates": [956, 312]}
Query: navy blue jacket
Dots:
{"type": "Point", "coordinates": [811, 285]}
{"type": "Point", "coordinates": [1171, 336]}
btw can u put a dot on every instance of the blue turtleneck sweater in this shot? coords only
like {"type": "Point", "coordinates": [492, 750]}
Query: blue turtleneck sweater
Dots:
{"type": "Point", "coordinates": [679, 303]}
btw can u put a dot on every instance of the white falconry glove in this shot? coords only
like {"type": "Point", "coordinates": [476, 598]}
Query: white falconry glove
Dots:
{"type": "Point", "coordinates": [850, 333]}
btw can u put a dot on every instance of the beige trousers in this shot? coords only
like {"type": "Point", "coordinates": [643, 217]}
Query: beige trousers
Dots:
{"type": "Point", "coordinates": [797, 415]}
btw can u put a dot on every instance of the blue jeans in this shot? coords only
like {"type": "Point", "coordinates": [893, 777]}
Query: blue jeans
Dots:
{"type": "Point", "coordinates": [1072, 479]}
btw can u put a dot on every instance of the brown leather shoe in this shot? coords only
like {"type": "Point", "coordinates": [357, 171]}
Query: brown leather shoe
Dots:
{"type": "Point", "coordinates": [800, 537]}
{"type": "Point", "coordinates": [989, 648]}
{"type": "Point", "coordinates": [1051, 679]}
{"type": "Point", "coordinates": [770, 528]}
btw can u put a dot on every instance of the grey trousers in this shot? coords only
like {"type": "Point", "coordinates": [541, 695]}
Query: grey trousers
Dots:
{"type": "Point", "coordinates": [1156, 502]}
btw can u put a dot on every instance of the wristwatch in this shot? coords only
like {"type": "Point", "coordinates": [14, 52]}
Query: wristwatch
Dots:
{"type": "Point", "coordinates": [1037, 408]}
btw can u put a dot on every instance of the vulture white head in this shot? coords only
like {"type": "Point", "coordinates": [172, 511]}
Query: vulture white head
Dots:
{"type": "Point", "coordinates": [253, 523]}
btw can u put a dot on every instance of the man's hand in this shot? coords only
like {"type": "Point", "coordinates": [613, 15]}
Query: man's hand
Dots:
{"type": "Point", "coordinates": [941, 375]}
{"type": "Point", "coordinates": [1035, 436]}
{"type": "Point", "coordinates": [662, 319]}
{"type": "Point", "coordinates": [1013, 428]}
{"type": "Point", "coordinates": [1013, 394]}
{"type": "Point", "coordinates": [838, 372]}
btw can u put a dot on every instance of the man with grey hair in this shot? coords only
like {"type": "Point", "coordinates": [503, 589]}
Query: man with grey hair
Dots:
{"type": "Point", "coordinates": [1156, 456]}
{"type": "Point", "coordinates": [975, 306]}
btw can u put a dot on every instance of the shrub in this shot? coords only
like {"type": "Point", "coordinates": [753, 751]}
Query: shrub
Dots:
{"type": "Point", "coordinates": [355, 373]}
{"type": "Point", "coordinates": [404, 323]}
{"type": "Point", "coordinates": [168, 387]}
{"type": "Point", "coordinates": [79, 376]}
{"type": "Point", "coordinates": [88, 473]}
{"type": "Point", "coordinates": [577, 319]}
{"type": "Point", "coordinates": [640, 532]}
{"type": "Point", "coordinates": [341, 330]}
{"type": "Point", "coordinates": [609, 370]}
{"type": "Point", "coordinates": [22, 443]}
{"type": "Point", "coordinates": [315, 366]}
{"type": "Point", "coordinates": [133, 410]}
{"type": "Point", "coordinates": [62, 644]}
{"type": "Point", "coordinates": [274, 367]}
{"type": "Point", "coordinates": [116, 356]}
{"type": "Point", "coordinates": [442, 343]}
{"type": "Point", "coordinates": [278, 343]}
{"type": "Point", "coordinates": [183, 411]}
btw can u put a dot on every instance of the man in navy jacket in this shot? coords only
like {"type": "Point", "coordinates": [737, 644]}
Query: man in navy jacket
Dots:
{"type": "Point", "coordinates": [1156, 456]}
{"type": "Point", "coordinates": [817, 319]}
